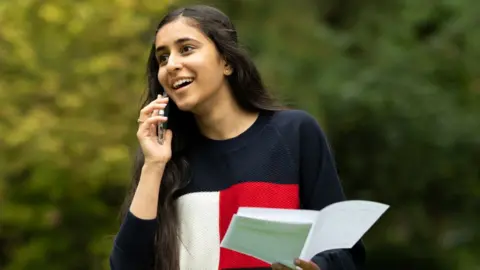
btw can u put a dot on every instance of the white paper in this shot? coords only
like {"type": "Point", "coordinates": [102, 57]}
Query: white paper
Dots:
{"type": "Point", "coordinates": [341, 225]}
{"type": "Point", "coordinates": [281, 235]}
{"type": "Point", "coordinates": [278, 214]}
{"type": "Point", "coordinates": [269, 241]}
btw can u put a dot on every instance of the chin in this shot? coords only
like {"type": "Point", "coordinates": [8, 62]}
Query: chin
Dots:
{"type": "Point", "coordinates": [186, 106]}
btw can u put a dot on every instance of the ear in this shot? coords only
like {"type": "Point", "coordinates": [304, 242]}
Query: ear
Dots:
{"type": "Point", "coordinates": [227, 70]}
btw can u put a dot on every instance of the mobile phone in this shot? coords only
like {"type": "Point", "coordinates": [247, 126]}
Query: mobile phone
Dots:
{"type": "Point", "coordinates": [162, 127]}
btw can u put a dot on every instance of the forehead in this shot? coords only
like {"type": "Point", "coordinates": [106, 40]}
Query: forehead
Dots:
{"type": "Point", "coordinates": [178, 29]}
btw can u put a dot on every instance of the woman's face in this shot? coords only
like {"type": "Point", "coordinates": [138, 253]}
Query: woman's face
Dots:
{"type": "Point", "coordinates": [190, 68]}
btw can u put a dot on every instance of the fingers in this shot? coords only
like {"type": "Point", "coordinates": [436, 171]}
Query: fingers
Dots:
{"type": "Point", "coordinates": [145, 128]}
{"type": "Point", "coordinates": [150, 108]}
{"type": "Point", "coordinates": [306, 265]}
{"type": "Point", "coordinates": [158, 104]}
{"type": "Point", "coordinates": [279, 266]}
{"type": "Point", "coordinates": [149, 117]}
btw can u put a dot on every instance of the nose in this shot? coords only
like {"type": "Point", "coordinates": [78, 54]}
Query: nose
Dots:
{"type": "Point", "coordinates": [173, 64]}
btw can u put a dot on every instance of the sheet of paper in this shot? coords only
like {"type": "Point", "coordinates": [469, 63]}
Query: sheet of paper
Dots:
{"type": "Point", "coordinates": [269, 241]}
{"type": "Point", "coordinates": [279, 214]}
{"type": "Point", "coordinates": [341, 225]}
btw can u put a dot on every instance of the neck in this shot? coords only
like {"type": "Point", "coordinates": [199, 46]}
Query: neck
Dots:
{"type": "Point", "coordinates": [223, 118]}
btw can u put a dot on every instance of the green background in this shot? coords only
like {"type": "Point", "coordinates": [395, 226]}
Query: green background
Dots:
{"type": "Point", "coordinates": [395, 85]}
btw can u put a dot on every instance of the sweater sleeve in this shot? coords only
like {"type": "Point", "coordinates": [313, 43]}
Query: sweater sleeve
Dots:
{"type": "Point", "coordinates": [319, 187]}
{"type": "Point", "coordinates": [134, 244]}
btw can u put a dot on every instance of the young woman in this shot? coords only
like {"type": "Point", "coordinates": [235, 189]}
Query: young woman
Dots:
{"type": "Point", "coordinates": [228, 144]}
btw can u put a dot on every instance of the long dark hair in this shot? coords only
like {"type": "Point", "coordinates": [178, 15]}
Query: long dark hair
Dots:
{"type": "Point", "coordinates": [247, 89]}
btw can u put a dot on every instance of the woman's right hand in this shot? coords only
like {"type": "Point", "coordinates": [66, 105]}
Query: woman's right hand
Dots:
{"type": "Point", "coordinates": [153, 151]}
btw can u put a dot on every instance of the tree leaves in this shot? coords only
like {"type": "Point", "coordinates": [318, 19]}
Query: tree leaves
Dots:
{"type": "Point", "coordinates": [395, 85]}
{"type": "Point", "coordinates": [72, 75]}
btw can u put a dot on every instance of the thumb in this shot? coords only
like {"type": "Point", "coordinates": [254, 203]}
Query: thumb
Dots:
{"type": "Point", "coordinates": [168, 137]}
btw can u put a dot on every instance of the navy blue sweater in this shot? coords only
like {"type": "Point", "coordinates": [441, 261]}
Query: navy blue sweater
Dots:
{"type": "Point", "coordinates": [283, 161]}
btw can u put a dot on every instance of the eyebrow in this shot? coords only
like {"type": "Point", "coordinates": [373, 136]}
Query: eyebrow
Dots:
{"type": "Point", "coordinates": [177, 42]}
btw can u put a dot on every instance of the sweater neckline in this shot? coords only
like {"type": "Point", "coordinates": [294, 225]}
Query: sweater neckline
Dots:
{"type": "Point", "coordinates": [222, 146]}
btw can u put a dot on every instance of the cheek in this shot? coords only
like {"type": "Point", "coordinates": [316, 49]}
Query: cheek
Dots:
{"type": "Point", "coordinates": [210, 74]}
{"type": "Point", "coordinates": [161, 76]}
{"type": "Point", "coordinates": [206, 64]}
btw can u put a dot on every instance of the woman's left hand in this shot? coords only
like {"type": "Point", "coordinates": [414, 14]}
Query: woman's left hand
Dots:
{"type": "Point", "coordinates": [304, 265]}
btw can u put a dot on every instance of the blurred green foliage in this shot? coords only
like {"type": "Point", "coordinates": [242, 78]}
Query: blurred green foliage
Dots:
{"type": "Point", "coordinates": [396, 85]}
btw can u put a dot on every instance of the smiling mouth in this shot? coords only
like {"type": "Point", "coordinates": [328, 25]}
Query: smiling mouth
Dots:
{"type": "Point", "coordinates": [182, 83]}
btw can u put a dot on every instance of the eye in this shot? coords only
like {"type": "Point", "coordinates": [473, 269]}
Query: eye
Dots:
{"type": "Point", "coordinates": [162, 59]}
{"type": "Point", "coordinates": [186, 49]}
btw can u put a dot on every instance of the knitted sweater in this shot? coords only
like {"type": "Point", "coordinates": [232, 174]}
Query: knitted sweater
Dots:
{"type": "Point", "coordinates": [282, 161]}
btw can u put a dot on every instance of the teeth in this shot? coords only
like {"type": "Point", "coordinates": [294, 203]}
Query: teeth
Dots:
{"type": "Point", "coordinates": [180, 82]}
